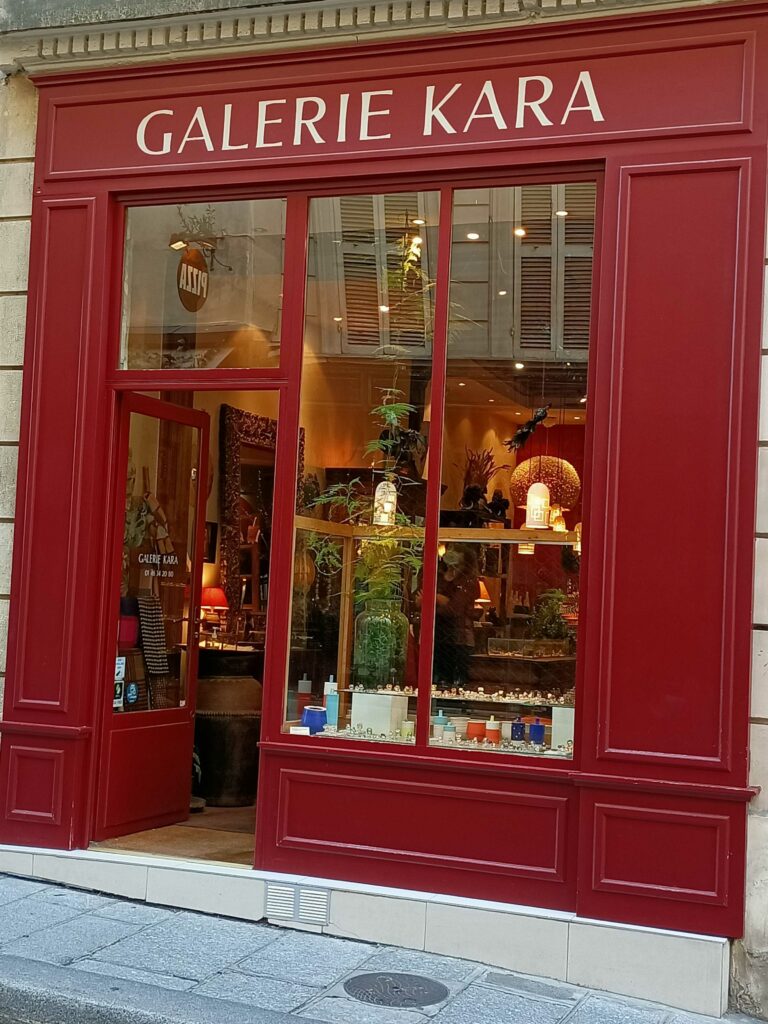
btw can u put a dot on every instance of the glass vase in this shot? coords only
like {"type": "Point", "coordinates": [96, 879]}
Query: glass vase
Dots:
{"type": "Point", "coordinates": [381, 641]}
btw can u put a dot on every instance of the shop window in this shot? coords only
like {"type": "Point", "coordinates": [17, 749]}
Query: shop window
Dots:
{"type": "Point", "coordinates": [509, 555]}
{"type": "Point", "coordinates": [203, 285]}
{"type": "Point", "coordinates": [365, 408]}
{"type": "Point", "coordinates": [509, 526]}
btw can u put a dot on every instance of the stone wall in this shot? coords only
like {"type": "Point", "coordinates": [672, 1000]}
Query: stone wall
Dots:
{"type": "Point", "coordinates": [18, 115]}
{"type": "Point", "coordinates": [749, 987]}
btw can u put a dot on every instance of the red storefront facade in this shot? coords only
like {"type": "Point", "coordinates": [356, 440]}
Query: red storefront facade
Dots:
{"type": "Point", "coordinates": [646, 823]}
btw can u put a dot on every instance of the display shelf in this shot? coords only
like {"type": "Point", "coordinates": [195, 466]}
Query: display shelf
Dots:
{"type": "Point", "coordinates": [478, 535]}
{"type": "Point", "coordinates": [552, 659]}
{"type": "Point", "coordinates": [505, 747]}
{"type": "Point", "coordinates": [523, 702]}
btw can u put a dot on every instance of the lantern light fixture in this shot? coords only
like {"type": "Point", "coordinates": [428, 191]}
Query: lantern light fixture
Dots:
{"type": "Point", "coordinates": [537, 507]}
{"type": "Point", "coordinates": [385, 504]}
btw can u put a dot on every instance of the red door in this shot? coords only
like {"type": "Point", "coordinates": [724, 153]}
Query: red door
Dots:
{"type": "Point", "coordinates": [150, 700]}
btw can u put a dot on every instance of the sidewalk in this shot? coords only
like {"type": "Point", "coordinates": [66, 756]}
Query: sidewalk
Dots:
{"type": "Point", "coordinates": [76, 956]}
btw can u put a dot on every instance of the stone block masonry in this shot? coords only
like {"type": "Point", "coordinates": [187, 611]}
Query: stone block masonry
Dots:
{"type": "Point", "coordinates": [18, 120]}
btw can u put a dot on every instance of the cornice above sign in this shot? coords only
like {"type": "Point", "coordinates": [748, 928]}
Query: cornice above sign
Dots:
{"type": "Point", "coordinates": [293, 25]}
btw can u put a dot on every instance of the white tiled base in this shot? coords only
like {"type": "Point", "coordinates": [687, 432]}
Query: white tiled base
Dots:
{"type": "Point", "coordinates": [681, 970]}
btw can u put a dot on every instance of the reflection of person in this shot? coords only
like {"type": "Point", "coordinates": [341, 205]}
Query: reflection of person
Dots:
{"type": "Point", "coordinates": [458, 589]}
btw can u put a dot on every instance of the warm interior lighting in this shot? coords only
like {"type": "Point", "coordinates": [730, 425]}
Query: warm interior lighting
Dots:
{"type": "Point", "coordinates": [484, 597]}
{"type": "Point", "coordinates": [577, 545]}
{"type": "Point", "coordinates": [212, 601]}
{"type": "Point", "coordinates": [520, 232]}
{"type": "Point", "coordinates": [213, 597]}
{"type": "Point", "coordinates": [419, 221]}
{"type": "Point", "coordinates": [526, 548]}
{"type": "Point", "coordinates": [338, 319]}
{"type": "Point", "coordinates": [462, 384]}
{"type": "Point", "coordinates": [519, 366]}
{"type": "Point", "coordinates": [384, 309]}
{"type": "Point", "coordinates": [561, 213]}
{"type": "Point", "coordinates": [441, 549]}
{"type": "Point", "coordinates": [473, 236]}
{"type": "Point", "coordinates": [583, 400]}
{"type": "Point", "coordinates": [557, 520]}
{"type": "Point", "coordinates": [385, 504]}
{"type": "Point", "coordinates": [537, 507]}
{"type": "Point", "coordinates": [503, 291]}
{"type": "Point", "coordinates": [417, 240]}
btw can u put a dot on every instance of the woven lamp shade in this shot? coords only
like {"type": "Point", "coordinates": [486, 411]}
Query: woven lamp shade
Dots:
{"type": "Point", "coordinates": [560, 477]}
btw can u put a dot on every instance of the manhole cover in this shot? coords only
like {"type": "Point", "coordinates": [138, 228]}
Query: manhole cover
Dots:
{"type": "Point", "coordinates": [400, 990]}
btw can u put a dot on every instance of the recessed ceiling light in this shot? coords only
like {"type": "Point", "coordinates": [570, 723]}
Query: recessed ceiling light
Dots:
{"type": "Point", "coordinates": [462, 384]}
{"type": "Point", "coordinates": [417, 240]}
{"type": "Point", "coordinates": [503, 291]}
{"type": "Point", "coordinates": [521, 232]}
{"type": "Point", "coordinates": [491, 399]}
{"type": "Point", "coordinates": [338, 319]}
{"type": "Point", "coordinates": [472, 236]}
{"type": "Point", "coordinates": [419, 220]}
{"type": "Point", "coordinates": [561, 213]}
{"type": "Point", "coordinates": [519, 366]}
{"type": "Point", "coordinates": [384, 309]}
{"type": "Point", "coordinates": [583, 400]}
{"type": "Point", "coordinates": [517, 414]}
{"type": "Point", "coordinates": [577, 417]}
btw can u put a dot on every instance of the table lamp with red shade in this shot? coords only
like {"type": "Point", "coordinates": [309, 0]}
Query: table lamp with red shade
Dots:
{"type": "Point", "coordinates": [212, 601]}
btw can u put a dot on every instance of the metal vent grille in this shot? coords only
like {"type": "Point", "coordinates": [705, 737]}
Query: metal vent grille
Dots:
{"type": "Point", "coordinates": [293, 903]}
{"type": "Point", "coordinates": [314, 905]}
{"type": "Point", "coordinates": [281, 902]}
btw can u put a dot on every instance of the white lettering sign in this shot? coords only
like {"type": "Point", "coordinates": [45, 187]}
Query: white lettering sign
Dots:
{"type": "Point", "coordinates": [500, 107]}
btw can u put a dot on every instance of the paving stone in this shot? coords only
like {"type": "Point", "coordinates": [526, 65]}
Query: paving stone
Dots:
{"type": "Point", "coordinates": [350, 1011]}
{"type": "Point", "coordinates": [595, 1010]}
{"type": "Point", "coordinates": [70, 940]}
{"type": "Point", "coordinates": [268, 993]}
{"type": "Point", "coordinates": [17, 888]}
{"type": "Point", "coordinates": [535, 987]}
{"type": "Point", "coordinates": [131, 974]}
{"type": "Point", "coordinates": [413, 961]}
{"type": "Point", "coordinates": [25, 917]}
{"type": "Point", "coordinates": [135, 913]}
{"type": "Point", "coordinates": [479, 1004]}
{"type": "Point", "coordinates": [189, 945]}
{"type": "Point", "coordinates": [87, 902]}
{"type": "Point", "coordinates": [307, 959]}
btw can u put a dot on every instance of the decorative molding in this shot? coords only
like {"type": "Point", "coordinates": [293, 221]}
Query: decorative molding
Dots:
{"type": "Point", "coordinates": [284, 25]}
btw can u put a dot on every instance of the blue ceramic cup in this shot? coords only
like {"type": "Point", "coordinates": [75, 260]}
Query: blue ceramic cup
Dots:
{"type": "Point", "coordinates": [536, 732]}
{"type": "Point", "coordinates": [314, 718]}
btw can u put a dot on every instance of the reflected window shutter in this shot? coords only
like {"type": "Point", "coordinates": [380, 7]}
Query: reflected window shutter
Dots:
{"type": "Point", "coordinates": [361, 279]}
{"type": "Point", "coordinates": [407, 315]}
{"type": "Point", "coordinates": [535, 303]}
{"type": "Point", "coordinates": [577, 256]}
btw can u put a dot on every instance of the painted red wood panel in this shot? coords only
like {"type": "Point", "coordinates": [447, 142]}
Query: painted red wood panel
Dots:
{"type": "Point", "coordinates": [485, 836]}
{"type": "Point", "coordinates": [425, 94]}
{"type": "Point", "coordinates": [663, 861]}
{"type": "Point", "coordinates": [666, 656]}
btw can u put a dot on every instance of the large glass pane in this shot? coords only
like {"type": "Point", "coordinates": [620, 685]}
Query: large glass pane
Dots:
{"type": "Point", "coordinates": [158, 551]}
{"type": "Point", "coordinates": [203, 285]}
{"type": "Point", "coordinates": [365, 410]}
{"type": "Point", "coordinates": [513, 462]}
